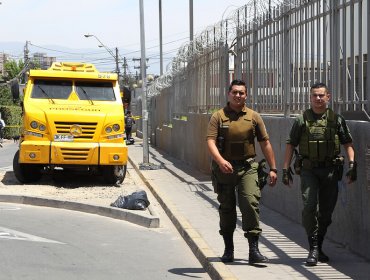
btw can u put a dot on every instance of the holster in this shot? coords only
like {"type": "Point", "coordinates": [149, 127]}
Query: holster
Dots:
{"type": "Point", "coordinates": [215, 184]}
{"type": "Point", "coordinates": [339, 163]}
{"type": "Point", "coordinates": [298, 164]}
{"type": "Point", "coordinates": [262, 175]}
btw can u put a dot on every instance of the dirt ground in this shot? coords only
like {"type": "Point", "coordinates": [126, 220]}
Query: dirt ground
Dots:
{"type": "Point", "coordinates": [76, 188]}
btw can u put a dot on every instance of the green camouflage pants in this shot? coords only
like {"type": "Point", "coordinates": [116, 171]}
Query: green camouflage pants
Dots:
{"type": "Point", "coordinates": [243, 183]}
{"type": "Point", "coordinates": [319, 187]}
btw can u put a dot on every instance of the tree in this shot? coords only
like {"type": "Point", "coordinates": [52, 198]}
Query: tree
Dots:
{"type": "Point", "coordinates": [5, 96]}
{"type": "Point", "coordinates": [13, 69]}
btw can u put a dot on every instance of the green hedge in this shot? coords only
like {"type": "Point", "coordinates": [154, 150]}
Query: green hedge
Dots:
{"type": "Point", "coordinates": [12, 116]}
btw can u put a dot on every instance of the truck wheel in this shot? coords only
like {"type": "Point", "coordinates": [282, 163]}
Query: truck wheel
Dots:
{"type": "Point", "coordinates": [114, 174]}
{"type": "Point", "coordinates": [26, 173]}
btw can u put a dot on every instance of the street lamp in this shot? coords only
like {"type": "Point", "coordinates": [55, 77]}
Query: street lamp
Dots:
{"type": "Point", "coordinates": [115, 56]}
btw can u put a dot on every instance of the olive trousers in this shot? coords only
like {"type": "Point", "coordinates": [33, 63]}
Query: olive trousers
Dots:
{"type": "Point", "coordinates": [319, 188]}
{"type": "Point", "coordinates": [241, 187]}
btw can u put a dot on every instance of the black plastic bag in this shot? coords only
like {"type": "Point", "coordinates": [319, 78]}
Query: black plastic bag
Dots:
{"type": "Point", "coordinates": [135, 201]}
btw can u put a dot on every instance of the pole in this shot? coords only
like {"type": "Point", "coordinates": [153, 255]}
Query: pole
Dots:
{"type": "Point", "coordinates": [191, 20]}
{"type": "Point", "coordinates": [117, 66]}
{"type": "Point", "coordinates": [160, 39]}
{"type": "Point", "coordinates": [125, 71]}
{"type": "Point", "coordinates": [143, 78]}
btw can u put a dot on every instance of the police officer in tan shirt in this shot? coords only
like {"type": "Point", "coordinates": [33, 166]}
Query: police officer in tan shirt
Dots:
{"type": "Point", "coordinates": [230, 140]}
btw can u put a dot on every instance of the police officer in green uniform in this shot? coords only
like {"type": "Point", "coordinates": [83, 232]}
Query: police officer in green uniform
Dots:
{"type": "Point", "coordinates": [230, 140]}
{"type": "Point", "coordinates": [319, 133]}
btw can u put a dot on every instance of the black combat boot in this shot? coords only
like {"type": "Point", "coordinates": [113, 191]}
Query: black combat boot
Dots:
{"type": "Point", "coordinates": [313, 254]}
{"type": "Point", "coordinates": [228, 255]}
{"type": "Point", "coordinates": [322, 257]}
{"type": "Point", "coordinates": [254, 253]}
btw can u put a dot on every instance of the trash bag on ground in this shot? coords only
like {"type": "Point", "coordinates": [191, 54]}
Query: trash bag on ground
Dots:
{"type": "Point", "coordinates": [136, 201]}
{"type": "Point", "coordinates": [130, 141]}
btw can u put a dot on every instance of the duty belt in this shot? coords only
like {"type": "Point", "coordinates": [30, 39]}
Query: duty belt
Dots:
{"type": "Point", "coordinates": [242, 161]}
{"type": "Point", "coordinates": [309, 164]}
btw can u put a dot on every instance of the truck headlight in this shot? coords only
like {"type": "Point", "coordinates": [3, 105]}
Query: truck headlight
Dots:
{"type": "Point", "coordinates": [34, 124]}
{"type": "Point", "coordinates": [108, 129]}
{"type": "Point", "coordinates": [116, 127]}
{"type": "Point", "coordinates": [42, 127]}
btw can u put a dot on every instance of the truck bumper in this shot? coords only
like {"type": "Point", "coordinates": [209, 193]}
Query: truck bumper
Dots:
{"type": "Point", "coordinates": [65, 153]}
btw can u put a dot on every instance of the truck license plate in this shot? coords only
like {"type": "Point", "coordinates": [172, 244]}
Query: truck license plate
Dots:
{"type": "Point", "coordinates": [63, 138]}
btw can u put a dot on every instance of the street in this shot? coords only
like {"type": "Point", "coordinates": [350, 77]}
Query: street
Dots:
{"type": "Point", "coordinates": [48, 243]}
{"type": "Point", "coordinates": [7, 154]}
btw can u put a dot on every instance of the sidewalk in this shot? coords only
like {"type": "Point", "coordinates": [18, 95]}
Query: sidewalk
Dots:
{"type": "Point", "coordinates": [188, 199]}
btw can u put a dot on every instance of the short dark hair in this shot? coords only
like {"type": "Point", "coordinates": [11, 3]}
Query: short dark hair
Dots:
{"type": "Point", "coordinates": [320, 85]}
{"type": "Point", "coordinates": [237, 82]}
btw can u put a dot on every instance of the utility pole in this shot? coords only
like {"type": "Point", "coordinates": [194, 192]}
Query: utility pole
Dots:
{"type": "Point", "coordinates": [117, 65]}
{"type": "Point", "coordinates": [26, 61]}
{"type": "Point", "coordinates": [139, 67]}
{"type": "Point", "coordinates": [144, 116]}
{"type": "Point", "coordinates": [160, 40]}
{"type": "Point", "coordinates": [191, 20]}
{"type": "Point", "coordinates": [125, 80]}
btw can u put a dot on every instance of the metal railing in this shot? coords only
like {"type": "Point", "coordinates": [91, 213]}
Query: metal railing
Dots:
{"type": "Point", "coordinates": [280, 51]}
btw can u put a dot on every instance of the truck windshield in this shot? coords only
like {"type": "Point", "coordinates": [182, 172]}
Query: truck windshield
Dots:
{"type": "Point", "coordinates": [101, 91]}
{"type": "Point", "coordinates": [47, 89]}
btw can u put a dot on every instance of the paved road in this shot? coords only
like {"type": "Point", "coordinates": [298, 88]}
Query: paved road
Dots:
{"type": "Point", "coordinates": [46, 243]}
{"type": "Point", "coordinates": [7, 154]}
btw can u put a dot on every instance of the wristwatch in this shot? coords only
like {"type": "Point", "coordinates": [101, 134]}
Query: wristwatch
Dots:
{"type": "Point", "coordinates": [274, 170]}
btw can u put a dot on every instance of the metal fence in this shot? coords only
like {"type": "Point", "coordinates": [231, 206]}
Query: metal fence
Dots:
{"type": "Point", "coordinates": [280, 51]}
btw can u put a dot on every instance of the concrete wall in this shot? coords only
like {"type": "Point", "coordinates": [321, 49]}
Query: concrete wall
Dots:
{"type": "Point", "coordinates": [186, 140]}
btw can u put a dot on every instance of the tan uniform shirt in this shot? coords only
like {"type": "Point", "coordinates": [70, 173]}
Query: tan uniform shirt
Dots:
{"type": "Point", "coordinates": [240, 129]}
{"type": "Point", "coordinates": [215, 121]}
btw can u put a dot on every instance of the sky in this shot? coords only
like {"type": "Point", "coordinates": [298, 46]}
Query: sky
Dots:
{"type": "Point", "coordinates": [57, 28]}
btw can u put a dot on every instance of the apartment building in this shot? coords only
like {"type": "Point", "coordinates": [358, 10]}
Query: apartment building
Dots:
{"type": "Point", "coordinates": [3, 58]}
{"type": "Point", "coordinates": [42, 60]}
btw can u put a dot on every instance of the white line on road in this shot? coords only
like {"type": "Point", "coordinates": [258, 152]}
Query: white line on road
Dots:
{"type": "Point", "coordinates": [7, 233]}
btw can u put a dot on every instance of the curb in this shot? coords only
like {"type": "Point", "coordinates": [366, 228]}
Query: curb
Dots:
{"type": "Point", "coordinates": [216, 269]}
{"type": "Point", "coordinates": [111, 212]}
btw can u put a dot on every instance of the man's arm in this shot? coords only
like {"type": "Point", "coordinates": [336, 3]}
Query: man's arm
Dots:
{"type": "Point", "coordinates": [268, 152]}
{"type": "Point", "coordinates": [224, 165]}
{"type": "Point", "coordinates": [288, 155]}
{"type": "Point", "coordinates": [350, 152]}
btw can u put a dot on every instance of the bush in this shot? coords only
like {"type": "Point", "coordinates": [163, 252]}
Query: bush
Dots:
{"type": "Point", "coordinates": [12, 116]}
{"type": "Point", "coordinates": [11, 113]}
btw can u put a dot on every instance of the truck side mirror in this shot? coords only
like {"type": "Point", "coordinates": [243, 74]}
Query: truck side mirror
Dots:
{"type": "Point", "coordinates": [14, 88]}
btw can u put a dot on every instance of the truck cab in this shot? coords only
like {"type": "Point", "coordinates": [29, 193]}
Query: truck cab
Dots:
{"type": "Point", "coordinates": [73, 119]}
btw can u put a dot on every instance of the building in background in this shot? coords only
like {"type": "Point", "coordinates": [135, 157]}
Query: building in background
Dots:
{"type": "Point", "coordinates": [42, 60]}
{"type": "Point", "coordinates": [3, 58]}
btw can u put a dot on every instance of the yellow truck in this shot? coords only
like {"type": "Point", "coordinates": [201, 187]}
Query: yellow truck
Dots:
{"type": "Point", "coordinates": [73, 119]}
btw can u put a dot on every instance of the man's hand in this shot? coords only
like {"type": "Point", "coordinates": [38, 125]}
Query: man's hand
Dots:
{"type": "Point", "coordinates": [287, 176]}
{"type": "Point", "coordinates": [273, 177]}
{"type": "Point", "coordinates": [225, 166]}
{"type": "Point", "coordinates": [352, 172]}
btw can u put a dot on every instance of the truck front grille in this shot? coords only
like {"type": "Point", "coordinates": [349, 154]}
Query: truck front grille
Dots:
{"type": "Point", "coordinates": [71, 154]}
{"type": "Point", "coordinates": [88, 129]}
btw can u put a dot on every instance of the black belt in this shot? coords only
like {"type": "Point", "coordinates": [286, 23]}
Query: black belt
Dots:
{"type": "Point", "coordinates": [242, 161]}
{"type": "Point", "coordinates": [308, 164]}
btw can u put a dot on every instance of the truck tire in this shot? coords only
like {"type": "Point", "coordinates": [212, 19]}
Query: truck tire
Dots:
{"type": "Point", "coordinates": [26, 173]}
{"type": "Point", "coordinates": [114, 174]}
